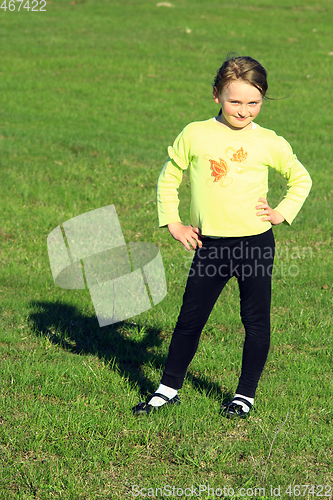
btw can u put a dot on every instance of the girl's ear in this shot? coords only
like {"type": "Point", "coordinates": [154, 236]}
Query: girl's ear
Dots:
{"type": "Point", "coordinates": [216, 95]}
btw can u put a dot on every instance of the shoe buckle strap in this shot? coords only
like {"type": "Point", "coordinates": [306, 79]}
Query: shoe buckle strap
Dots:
{"type": "Point", "coordinates": [159, 395]}
{"type": "Point", "coordinates": [242, 400]}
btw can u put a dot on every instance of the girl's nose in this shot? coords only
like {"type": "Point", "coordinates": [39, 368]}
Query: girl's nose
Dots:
{"type": "Point", "coordinates": [242, 110]}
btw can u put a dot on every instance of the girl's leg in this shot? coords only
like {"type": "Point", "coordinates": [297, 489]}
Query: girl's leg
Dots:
{"type": "Point", "coordinates": [205, 283]}
{"type": "Point", "coordinates": [254, 279]}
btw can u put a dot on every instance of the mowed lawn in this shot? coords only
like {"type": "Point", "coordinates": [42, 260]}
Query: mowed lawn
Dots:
{"type": "Point", "coordinates": [92, 92]}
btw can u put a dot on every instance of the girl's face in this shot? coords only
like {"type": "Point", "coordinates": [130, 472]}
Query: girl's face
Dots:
{"type": "Point", "coordinates": [241, 103]}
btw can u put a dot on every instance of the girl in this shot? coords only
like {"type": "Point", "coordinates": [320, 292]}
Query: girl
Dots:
{"type": "Point", "coordinates": [231, 221]}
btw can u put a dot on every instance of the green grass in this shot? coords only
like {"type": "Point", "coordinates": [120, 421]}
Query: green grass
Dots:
{"type": "Point", "coordinates": [92, 93]}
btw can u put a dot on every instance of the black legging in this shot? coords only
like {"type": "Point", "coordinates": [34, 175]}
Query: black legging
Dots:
{"type": "Point", "coordinates": [250, 259]}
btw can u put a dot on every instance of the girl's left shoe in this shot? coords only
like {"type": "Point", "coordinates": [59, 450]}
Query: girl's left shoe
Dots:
{"type": "Point", "coordinates": [146, 408]}
{"type": "Point", "coordinates": [234, 410]}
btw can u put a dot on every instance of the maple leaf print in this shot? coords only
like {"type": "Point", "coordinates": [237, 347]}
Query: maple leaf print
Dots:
{"type": "Point", "coordinates": [239, 155]}
{"type": "Point", "coordinates": [219, 170]}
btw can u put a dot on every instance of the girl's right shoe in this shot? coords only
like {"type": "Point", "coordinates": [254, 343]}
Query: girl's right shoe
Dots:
{"type": "Point", "coordinates": [146, 408]}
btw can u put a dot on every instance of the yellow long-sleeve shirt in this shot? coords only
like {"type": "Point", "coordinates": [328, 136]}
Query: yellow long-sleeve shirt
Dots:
{"type": "Point", "coordinates": [229, 173]}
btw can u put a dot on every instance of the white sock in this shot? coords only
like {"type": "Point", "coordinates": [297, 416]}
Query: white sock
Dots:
{"type": "Point", "coordinates": [246, 409]}
{"type": "Point", "coordinates": [166, 391]}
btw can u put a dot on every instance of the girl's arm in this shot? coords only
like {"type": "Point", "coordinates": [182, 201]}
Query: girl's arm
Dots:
{"type": "Point", "coordinates": [167, 193]}
{"type": "Point", "coordinates": [298, 185]}
{"type": "Point", "coordinates": [167, 205]}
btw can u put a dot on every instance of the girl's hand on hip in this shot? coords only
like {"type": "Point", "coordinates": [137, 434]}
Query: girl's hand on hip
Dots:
{"type": "Point", "coordinates": [270, 214]}
{"type": "Point", "coordinates": [186, 235]}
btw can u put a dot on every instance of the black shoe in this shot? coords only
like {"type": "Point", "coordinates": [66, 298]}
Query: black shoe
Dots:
{"type": "Point", "coordinates": [146, 408]}
{"type": "Point", "coordinates": [233, 410]}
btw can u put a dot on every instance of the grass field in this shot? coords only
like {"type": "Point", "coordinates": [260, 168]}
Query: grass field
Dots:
{"type": "Point", "coordinates": [92, 92]}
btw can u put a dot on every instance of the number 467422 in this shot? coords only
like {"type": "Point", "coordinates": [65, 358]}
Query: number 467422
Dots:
{"type": "Point", "coordinates": [25, 4]}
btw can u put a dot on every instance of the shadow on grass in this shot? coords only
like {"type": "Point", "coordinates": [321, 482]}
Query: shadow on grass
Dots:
{"type": "Point", "coordinates": [66, 326]}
